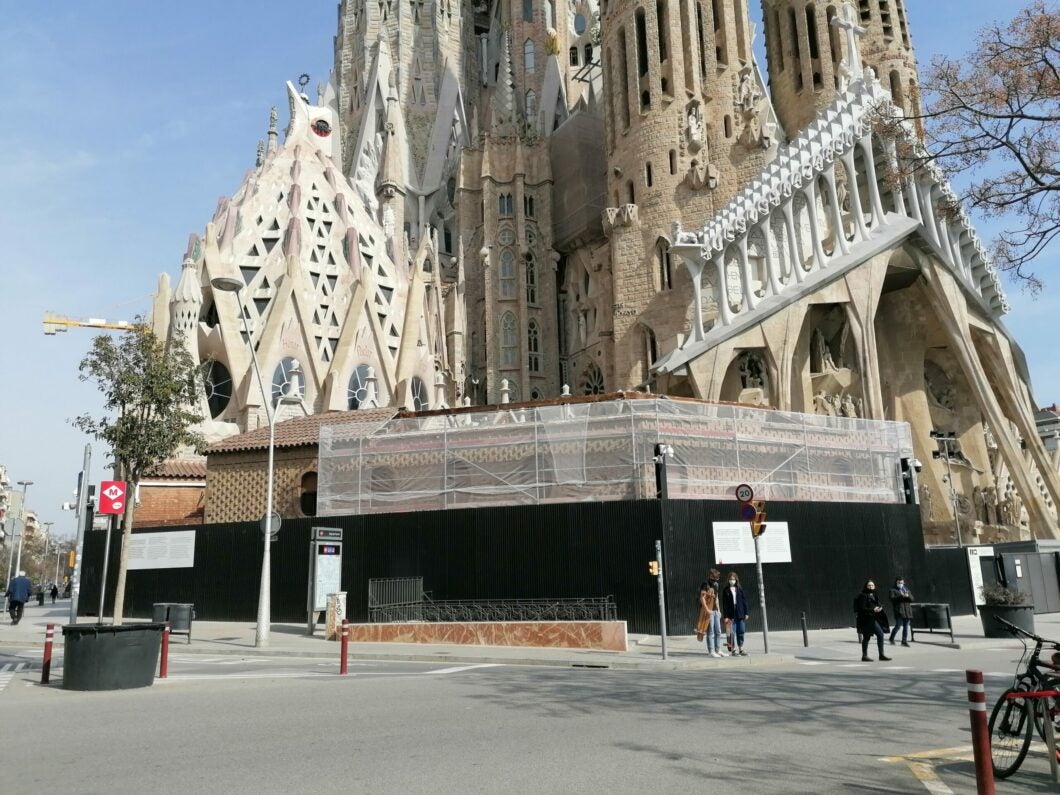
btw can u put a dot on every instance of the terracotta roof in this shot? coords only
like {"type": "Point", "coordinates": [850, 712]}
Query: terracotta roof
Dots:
{"type": "Point", "coordinates": [186, 468]}
{"type": "Point", "coordinates": [302, 431]}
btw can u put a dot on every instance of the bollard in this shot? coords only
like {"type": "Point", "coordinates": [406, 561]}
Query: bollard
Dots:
{"type": "Point", "coordinates": [46, 666]}
{"type": "Point", "coordinates": [805, 635]}
{"type": "Point", "coordinates": [984, 768]}
{"type": "Point", "coordinates": [345, 647]}
{"type": "Point", "coordinates": [163, 659]}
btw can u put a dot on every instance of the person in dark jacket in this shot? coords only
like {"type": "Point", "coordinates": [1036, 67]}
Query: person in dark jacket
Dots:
{"type": "Point", "coordinates": [870, 619]}
{"type": "Point", "coordinates": [54, 592]}
{"type": "Point", "coordinates": [19, 590]}
{"type": "Point", "coordinates": [902, 602]}
{"type": "Point", "coordinates": [734, 609]}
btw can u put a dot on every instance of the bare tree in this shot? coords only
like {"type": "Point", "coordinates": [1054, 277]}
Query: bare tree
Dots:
{"type": "Point", "coordinates": [994, 115]}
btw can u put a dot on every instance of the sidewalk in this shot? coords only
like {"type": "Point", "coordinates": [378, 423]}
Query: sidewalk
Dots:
{"type": "Point", "coordinates": [684, 653]}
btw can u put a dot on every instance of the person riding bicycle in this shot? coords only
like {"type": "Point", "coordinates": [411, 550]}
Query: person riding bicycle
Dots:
{"type": "Point", "coordinates": [19, 591]}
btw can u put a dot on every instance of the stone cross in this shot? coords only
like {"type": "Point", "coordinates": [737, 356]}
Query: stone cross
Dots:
{"type": "Point", "coordinates": [848, 22]}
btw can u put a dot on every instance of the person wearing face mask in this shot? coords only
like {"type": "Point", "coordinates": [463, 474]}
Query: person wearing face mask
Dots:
{"type": "Point", "coordinates": [902, 602]}
{"type": "Point", "coordinates": [734, 608]}
{"type": "Point", "coordinates": [871, 620]}
{"type": "Point", "coordinates": [714, 628]}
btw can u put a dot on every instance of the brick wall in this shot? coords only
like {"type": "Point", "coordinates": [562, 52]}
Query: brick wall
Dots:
{"type": "Point", "coordinates": [177, 503]}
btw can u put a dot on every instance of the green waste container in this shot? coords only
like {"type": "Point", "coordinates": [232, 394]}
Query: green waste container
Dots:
{"type": "Point", "coordinates": [100, 657]}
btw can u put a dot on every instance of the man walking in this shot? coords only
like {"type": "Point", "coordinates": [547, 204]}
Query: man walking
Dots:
{"type": "Point", "coordinates": [19, 591]}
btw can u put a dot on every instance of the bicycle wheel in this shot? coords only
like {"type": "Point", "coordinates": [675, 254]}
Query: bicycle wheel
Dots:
{"type": "Point", "coordinates": [1011, 725]}
{"type": "Point", "coordinates": [1053, 706]}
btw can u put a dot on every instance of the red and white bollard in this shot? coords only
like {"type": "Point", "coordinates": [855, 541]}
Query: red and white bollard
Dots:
{"type": "Point", "coordinates": [46, 666]}
{"type": "Point", "coordinates": [344, 647]}
{"type": "Point", "coordinates": [984, 768]}
{"type": "Point", "coordinates": [163, 660]}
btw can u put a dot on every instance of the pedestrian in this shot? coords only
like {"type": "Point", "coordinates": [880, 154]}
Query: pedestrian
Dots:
{"type": "Point", "coordinates": [708, 609]}
{"type": "Point", "coordinates": [55, 592]}
{"type": "Point", "coordinates": [871, 621]}
{"type": "Point", "coordinates": [714, 581]}
{"type": "Point", "coordinates": [40, 594]}
{"type": "Point", "coordinates": [734, 608]}
{"type": "Point", "coordinates": [902, 602]}
{"type": "Point", "coordinates": [19, 591]}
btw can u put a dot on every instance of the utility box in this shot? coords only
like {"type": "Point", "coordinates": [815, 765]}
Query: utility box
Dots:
{"type": "Point", "coordinates": [325, 572]}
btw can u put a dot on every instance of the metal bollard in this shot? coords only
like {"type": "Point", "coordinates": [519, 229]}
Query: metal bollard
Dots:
{"type": "Point", "coordinates": [984, 768]}
{"type": "Point", "coordinates": [46, 666]}
{"type": "Point", "coordinates": [805, 635]}
{"type": "Point", "coordinates": [163, 660]}
{"type": "Point", "coordinates": [344, 647]}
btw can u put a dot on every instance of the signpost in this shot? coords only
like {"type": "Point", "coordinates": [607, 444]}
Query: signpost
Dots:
{"type": "Point", "coordinates": [753, 512]}
{"type": "Point", "coordinates": [112, 497]}
{"type": "Point", "coordinates": [325, 570]}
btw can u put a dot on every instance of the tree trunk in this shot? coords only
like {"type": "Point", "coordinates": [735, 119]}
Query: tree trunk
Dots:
{"type": "Point", "coordinates": [123, 560]}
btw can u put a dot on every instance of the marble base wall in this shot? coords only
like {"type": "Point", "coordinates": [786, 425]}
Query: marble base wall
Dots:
{"type": "Point", "coordinates": [597, 635]}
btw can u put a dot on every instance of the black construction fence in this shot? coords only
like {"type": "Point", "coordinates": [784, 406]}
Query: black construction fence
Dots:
{"type": "Point", "coordinates": [565, 551]}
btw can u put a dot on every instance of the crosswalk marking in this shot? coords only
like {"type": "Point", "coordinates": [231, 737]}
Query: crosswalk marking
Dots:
{"type": "Point", "coordinates": [5, 680]}
{"type": "Point", "coordinates": [897, 668]}
{"type": "Point", "coordinates": [14, 667]}
{"type": "Point", "coordinates": [459, 668]}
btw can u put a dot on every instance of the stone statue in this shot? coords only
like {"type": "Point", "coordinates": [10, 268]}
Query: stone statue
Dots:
{"type": "Point", "coordinates": [747, 93]}
{"type": "Point", "coordinates": [988, 437]}
{"type": "Point", "coordinates": [822, 353]}
{"type": "Point", "coordinates": [752, 371]}
{"type": "Point", "coordinates": [925, 501]}
{"type": "Point", "coordinates": [979, 501]}
{"type": "Point", "coordinates": [844, 75]}
{"type": "Point", "coordinates": [1016, 509]}
{"type": "Point", "coordinates": [990, 505]}
{"type": "Point", "coordinates": [821, 404]}
{"type": "Point", "coordinates": [696, 138]}
{"type": "Point", "coordinates": [367, 169]}
{"type": "Point", "coordinates": [849, 409]}
{"type": "Point", "coordinates": [1004, 511]}
{"type": "Point", "coordinates": [837, 409]}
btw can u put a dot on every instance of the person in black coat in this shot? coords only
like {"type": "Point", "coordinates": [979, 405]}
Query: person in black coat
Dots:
{"type": "Point", "coordinates": [734, 609]}
{"type": "Point", "coordinates": [871, 620]}
{"type": "Point", "coordinates": [902, 602]}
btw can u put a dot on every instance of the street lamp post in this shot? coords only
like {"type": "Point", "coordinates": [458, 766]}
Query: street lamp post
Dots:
{"type": "Point", "coordinates": [261, 633]}
{"type": "Point", "coordinates": [47, 544]}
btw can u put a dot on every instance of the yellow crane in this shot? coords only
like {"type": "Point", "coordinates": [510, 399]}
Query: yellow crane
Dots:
{"type": "Point", "coordinates": [54, 323]}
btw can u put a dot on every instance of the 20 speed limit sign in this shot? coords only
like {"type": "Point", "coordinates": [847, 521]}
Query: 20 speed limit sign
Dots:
{"type": "Point", "coordinates": [744, 493]}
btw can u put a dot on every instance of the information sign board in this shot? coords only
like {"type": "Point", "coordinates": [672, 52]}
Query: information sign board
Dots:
{"type": "Point", "coordinates": [174, 550]}
{"type": "Point", "coordinates": [733, 543]}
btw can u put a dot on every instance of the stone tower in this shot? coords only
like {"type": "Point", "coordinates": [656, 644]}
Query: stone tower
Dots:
{"type": "Point", "coordinates": [808, 54]}
{"type": "Point", "coordinates": [687, 125]}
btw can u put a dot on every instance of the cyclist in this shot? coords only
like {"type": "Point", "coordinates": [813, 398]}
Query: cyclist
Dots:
{"type": "Point", "coordinates": [18, 592]}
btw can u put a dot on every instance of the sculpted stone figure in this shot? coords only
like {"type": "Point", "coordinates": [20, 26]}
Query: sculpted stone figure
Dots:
{"type": "Point", "coordinates": [822, 405]}
{"type": "Point", "coordinates": [990, 505]}
{"type": "Point", "coordinates": [979, 501]}
{"type": "Point", "coordinates": [695, 130]}
{"type": "Point", "coordinates": [925, 501]}
{"type": "Point", "coordinates": [849, 409]}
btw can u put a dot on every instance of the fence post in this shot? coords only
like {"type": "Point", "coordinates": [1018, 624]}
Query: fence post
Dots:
{"type": "Point", "coordinates": [805, 634]}
{"type": "Point", "coordinates": [46, 665]}
{"type": "Point", "coordinates": [163, 660]}
{"type": "Point", "coordinates": [344, 647]}
{"type": "Point", "coordinates": [984, 768]}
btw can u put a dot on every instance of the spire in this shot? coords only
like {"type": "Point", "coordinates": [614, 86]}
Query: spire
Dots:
{"type": "Point", "coordinates": [391, 171]}
{"type": "Point", "coordinates": [260, 157]}
{"type": "Point", "coordinates": [185, 306]}
{"type": "Point", "coordinates": [503, 122]}
{"type": "Point", "coordinates": [273, 116]}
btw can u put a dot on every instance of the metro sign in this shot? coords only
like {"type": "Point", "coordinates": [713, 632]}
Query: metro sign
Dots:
{"type": "Point", "coordinates": [112, 496]}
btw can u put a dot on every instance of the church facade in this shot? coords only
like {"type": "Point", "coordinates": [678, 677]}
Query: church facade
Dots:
{"type": "Point", "coordinates": [502, 200]}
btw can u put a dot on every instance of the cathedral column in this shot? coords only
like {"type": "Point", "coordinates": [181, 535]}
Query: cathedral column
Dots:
{"type": "Point", "coordinates": [793, 243]}
{"type": "Point", "coordinates": [837, 211]}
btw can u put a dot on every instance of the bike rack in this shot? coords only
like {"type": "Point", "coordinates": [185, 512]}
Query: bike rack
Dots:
{"type": "Point", "coordinates": [1047, 719]}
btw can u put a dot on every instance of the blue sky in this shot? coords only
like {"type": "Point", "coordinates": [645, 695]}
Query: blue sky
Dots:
{"type": "Point", "coordinates": [124, 122]}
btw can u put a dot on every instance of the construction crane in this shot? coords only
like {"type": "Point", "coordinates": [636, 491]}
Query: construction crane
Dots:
{"type": "Point", "coordinates": [54, 323]}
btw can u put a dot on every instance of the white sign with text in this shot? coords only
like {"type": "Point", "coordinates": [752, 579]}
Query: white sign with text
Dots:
{"type": "Point", "coordinates": [733, 543]}
{"type": "Point", "coordinates": [174, 550]}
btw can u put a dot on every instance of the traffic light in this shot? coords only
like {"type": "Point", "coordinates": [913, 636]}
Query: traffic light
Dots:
{"type": "Point", "coordinates": [71, 558]}
{"type": "Point", "coordinates": [758, 524]}
{"type": "Point", "coordinates": [653, 568]}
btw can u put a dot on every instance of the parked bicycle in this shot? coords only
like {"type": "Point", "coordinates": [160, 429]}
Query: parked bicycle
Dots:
{"type": "Point", "coordinates": [1015, 716]}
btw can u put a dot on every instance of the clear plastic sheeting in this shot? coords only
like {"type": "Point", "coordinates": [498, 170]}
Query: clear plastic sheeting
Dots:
{"type": "Point", "coordinates": [605, 450]}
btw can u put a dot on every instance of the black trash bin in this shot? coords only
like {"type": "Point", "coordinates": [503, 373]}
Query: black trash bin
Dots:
{"type": "Point", "coordinates": [100, 657]}
{"type": "Point", "coordinates": [160, 612]}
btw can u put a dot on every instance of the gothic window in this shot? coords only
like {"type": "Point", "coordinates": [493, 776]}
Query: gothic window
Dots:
{"type": "Point", "coordinates": [507, 274]}
{"type": "Point", "coordinates": [663, 264]}
{"type": "Point", "coordinates": [528, 56]}
{"type": "Point", "coordinates": [642, 42]}
{"type": "Point", "coordinates": [281, 379]}
{"type": "Point", "coordinates": [651, 351]}
{"type": "Point", "coordinates": [504, 205]}
{"type": "Point", "coordinates": [593, 381]}
{"type": "Point", "coordinates": [531, 278]}
{"type": "Point", "coordinates": [509, 341]}
{"type": "Point", "coordinates": [663, 23]}
{"type": "Point", "coordinates": [579, 24]}
{"type": "Point", "coordinates": [573, 56]}
{"type": "Point", "coordinates": [528, 207]}
{"type": "Point", "coordinates": [721, 48]}
{"type": "Point", "coordinates": [533, 347]}
{"type": "Point", "coordinates": [357, 391]}
{"type": "Point", "coordinates": [631, 196]}
{"type": "Point", "coordinates": [217, 382]}
{"type": "Point", "coordinates": [531, 106]}
{"type": "Point", "coordinates": [618, 70]}
{"type": "Point", "coordinates": [528, 11]}
{"type": "Point", "coordinates": [588, 54]}
{"type": "Point", "coordinates": [420, 399]}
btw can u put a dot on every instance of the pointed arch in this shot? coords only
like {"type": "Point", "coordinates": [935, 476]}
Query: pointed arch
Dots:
{"type": "Point", "coordinates": [533, 346]}
{"type": "Point", "coordinates": [529, 56]}
{"type": "Point", "coordinates": [509, 341]}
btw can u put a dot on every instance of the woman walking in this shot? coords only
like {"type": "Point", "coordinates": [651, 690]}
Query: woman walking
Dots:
{"type": "Point", "coordinates": [902, 602]}
{"type": "Point", "coordinates": [870, 618]}
{"type": "Point", "coordinates": [734, 609]}
{"type": "Point", "coordinates": [708, 619]}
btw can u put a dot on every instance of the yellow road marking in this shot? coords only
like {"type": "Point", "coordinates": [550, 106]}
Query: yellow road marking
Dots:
{"type": "Point", "coordinates": [926, 775]}
{"type": "Point", "coordinates": [959, 753]}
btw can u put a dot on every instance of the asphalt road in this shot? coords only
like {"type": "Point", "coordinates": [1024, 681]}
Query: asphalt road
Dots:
{"type": "Point", "coordinates": [825, 723]}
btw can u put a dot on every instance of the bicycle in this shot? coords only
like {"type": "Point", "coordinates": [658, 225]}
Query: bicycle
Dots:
{"type": "Point", "coordinates": [1015, 717]}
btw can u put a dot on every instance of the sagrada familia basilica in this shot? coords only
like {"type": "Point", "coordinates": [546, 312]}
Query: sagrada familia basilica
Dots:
{"type": "Point", "coordinates": [506, 200]}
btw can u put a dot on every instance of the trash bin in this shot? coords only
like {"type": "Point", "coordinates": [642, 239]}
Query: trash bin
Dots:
{"type": "Point", "coordinates": [100, 657]}
{"type": "Point", "coordinates": [40, 598]}
{"type": "Point", "coordinates": [178, 614]}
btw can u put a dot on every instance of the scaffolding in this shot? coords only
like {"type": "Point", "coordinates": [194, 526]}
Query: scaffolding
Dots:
{"type": "Point", "coordinates": [605, 450]}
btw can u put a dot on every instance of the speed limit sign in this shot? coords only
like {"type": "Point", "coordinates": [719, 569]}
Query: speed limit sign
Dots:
{"type": "Point", "coordinates": [744, 493]}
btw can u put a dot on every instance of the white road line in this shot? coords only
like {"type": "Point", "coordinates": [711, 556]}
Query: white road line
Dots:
{"type": "Point", "coordinates": [896, 668]}
{"type": "Point", "coordinates": [292, 675]}
{"type": "Point", "coordinates": [459, 668]}
{"type": "Point", "coordinates": [852, 665]}
{"type": "Point", "coordinates": [1000, 674]}
{"type": "Point", "coordinates": [5, 680]}
{"type": "Point", "coordinates": [927, 776]}
{"type": "Point", "coordinates": [945, 671]}
{"type": "Point", "coordinates": [811, 662]}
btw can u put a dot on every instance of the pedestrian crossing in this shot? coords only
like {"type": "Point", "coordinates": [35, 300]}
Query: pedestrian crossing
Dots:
{"type": "Point", "coordinates": [875, 666]}
{"type": "Point", "coordinates": [8, 671]}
